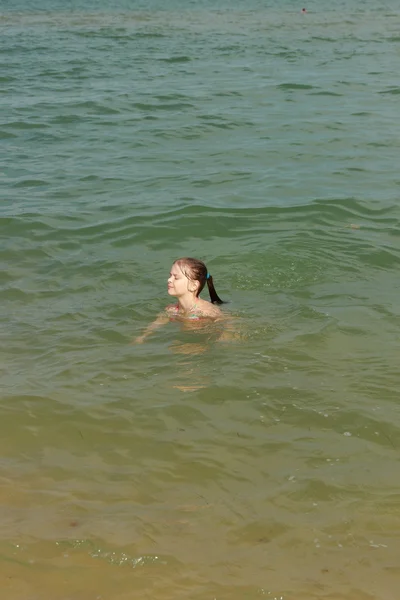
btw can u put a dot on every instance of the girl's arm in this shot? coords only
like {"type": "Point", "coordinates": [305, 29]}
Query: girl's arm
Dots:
{"type": "Point", "coordinates": [161, 320]}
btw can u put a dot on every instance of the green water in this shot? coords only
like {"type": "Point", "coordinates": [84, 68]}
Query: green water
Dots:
{"type": "Point", "coordinates": [265, 142]}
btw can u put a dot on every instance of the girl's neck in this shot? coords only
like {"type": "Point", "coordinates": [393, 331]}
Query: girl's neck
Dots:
{"type": "Point", "coordinates": [187, 303]}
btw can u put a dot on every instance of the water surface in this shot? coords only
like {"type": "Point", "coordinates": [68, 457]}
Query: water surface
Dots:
{"type": "Point", "coordinates": [265, 142]}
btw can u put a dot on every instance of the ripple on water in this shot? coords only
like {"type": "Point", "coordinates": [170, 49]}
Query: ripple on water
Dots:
{"type": "Point", "coordinates": [261, 466]}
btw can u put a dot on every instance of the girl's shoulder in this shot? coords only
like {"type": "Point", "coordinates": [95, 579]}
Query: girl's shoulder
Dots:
{"type": "Point", "coordinates": [206, 309]}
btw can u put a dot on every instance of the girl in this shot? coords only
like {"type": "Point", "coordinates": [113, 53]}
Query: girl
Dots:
{"type": "Point", "coordinates": [186, 280]}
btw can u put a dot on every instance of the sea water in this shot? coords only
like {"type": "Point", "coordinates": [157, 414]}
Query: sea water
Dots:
{"type": "Point", "coordinates": [265, 142]}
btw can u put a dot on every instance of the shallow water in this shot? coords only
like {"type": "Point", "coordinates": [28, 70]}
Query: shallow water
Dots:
{"type": "Point", "coordinates": [265, 142]}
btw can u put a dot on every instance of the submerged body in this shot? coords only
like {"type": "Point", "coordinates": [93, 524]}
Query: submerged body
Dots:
{"type": "Point", "coordinates": [186, 280]}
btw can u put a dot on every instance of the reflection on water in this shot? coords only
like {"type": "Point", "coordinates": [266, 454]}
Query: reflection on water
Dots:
{"type": "Point", "coordinates": [191, 373]}
{"type": "Point", "coordinates": [188, 372]}
{"type": "Point", "coordinates": [188, 348]}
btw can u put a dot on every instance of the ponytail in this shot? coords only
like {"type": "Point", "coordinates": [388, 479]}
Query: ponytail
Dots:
{"type": "Point", "coordinates": [211, 289]}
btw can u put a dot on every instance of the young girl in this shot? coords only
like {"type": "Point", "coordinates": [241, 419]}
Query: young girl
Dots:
{"type": "Point", "coordinates": [186, 280]}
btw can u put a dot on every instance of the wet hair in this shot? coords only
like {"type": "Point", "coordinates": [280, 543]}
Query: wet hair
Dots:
{"type": "Point", "coordinates": [196, 270]}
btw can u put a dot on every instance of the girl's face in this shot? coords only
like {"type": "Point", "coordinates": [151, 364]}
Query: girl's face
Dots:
{"type": "Point", "coordinates": [178, 283]}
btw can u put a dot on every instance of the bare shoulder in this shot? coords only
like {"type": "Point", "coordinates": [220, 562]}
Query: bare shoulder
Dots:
{"type": "Point", "coordinates": [211, 311]}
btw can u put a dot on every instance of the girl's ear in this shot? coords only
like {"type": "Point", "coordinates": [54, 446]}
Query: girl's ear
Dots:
{"type": "Point", "coordinates": [193, 286]}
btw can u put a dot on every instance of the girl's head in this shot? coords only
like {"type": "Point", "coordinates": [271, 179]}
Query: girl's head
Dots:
{"type": "Point", "coordinates": [191, 275]}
